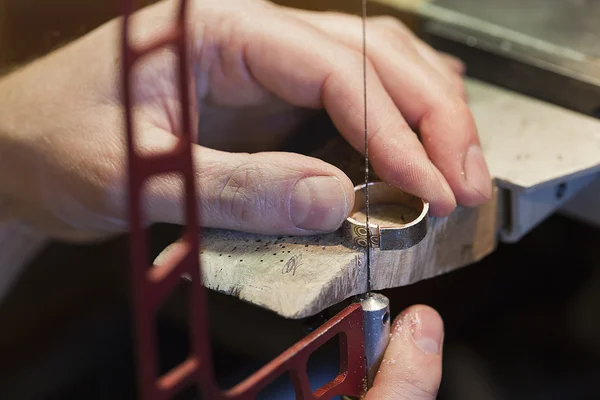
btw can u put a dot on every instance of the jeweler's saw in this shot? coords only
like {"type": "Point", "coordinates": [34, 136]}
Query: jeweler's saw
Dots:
{"type": "Point", "coordinates": [363, 326]}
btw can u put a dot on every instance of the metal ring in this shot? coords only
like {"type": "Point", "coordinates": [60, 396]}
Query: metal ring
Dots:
{"type": "Point", "coordinates": [387, 236]}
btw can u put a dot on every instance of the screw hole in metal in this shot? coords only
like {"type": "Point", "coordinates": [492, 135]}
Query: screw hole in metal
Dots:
{"type": "Point", "coordinates": [385, 318]}
{"type": "Point", "coordinates": [560, 191]}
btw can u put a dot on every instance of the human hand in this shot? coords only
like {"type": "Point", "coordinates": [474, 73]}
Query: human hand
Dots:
{"type": "Point", "coordinates": [412, 366]}
{"type": "Point", "coordinates": [258, 70]}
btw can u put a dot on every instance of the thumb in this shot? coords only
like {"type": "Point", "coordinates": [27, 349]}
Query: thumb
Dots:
{"type": "Point", "coordinates": [412, 366]}
{"type": "Point", "coordinates": [267, 193]}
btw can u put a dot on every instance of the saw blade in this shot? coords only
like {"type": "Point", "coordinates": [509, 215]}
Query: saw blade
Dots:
{"type": "Point", "coordinates": [369, 250]}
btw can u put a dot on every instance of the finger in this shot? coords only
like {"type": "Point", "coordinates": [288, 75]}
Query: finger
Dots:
{"type": "Point", "coordinates": [449, 67]}
{"type": "Point", "coordinates": [453, 63]}
{"type": "Point", "coordinates": [331, 76]}
{"type": "Point", "coordinates": [412, 366]}
{"type": "Point", "coordinates": [268, 193]}
{"type": "Point", "coordinates": [425, 99]}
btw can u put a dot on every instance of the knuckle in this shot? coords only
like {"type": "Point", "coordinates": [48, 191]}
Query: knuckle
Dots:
{"type": "Point", "coordinates": [418, 384]}
{"type": "Point", "coordinates": [448, 107]}
{"type": "Point", "coordinates": [449, 102]}
{"type": "Point", "coordinates": [239, 199]}
{"type": "Point", "coordinates": [392, 33]}
{"type": "Point", "coordinates": [391, 28]}
{"type": "Point", "coordinates": [387, 20]}
{"type": "Point", "coordinates": [354, 57]}
{"type": "Point", "coordinates": [459, 106]}
{"type": "Point", "coordinates": [344, 17]}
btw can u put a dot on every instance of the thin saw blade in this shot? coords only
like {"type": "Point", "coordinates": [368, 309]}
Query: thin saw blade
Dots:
{"type": "Point", "coordinates": [369, 250]}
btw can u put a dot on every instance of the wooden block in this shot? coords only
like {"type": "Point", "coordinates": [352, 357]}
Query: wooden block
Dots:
{"type": "Point", "coordinates": [297, 277]}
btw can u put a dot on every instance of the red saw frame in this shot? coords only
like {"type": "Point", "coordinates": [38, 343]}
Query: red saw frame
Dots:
{"type": "Point", "coordinates": [153, 284]}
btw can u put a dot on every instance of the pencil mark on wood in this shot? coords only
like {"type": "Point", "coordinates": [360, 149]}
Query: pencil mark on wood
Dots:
{"type": "Point", "coordinates": [291, 266]}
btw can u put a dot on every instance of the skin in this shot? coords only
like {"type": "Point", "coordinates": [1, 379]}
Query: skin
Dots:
{"type": "Point", "coordinates": [258, 70]}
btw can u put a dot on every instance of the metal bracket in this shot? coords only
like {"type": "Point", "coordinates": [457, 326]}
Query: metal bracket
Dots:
{"type": "Point", "coordinates": [524, 209]}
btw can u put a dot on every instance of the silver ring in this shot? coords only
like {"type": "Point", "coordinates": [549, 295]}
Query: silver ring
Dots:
{"type": "Point", "coordinates": [397, 220]}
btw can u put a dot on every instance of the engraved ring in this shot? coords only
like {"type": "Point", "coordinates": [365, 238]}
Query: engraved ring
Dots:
{"type": "Point", "coordinates": [397, 220]}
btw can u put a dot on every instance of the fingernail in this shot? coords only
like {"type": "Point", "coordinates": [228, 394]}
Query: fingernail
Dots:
{"type": "Point", "coordinates": [447, 190]}
{"type": "Point", "coordinates": [427, 330]}
{"type": "Point", "coordinates": [477, 173]}
{"type": "Point", "coordinates": [318, 203]}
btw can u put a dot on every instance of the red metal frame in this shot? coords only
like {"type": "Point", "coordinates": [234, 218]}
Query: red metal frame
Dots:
{"type": "Point", "coordinates": [153, 284]}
